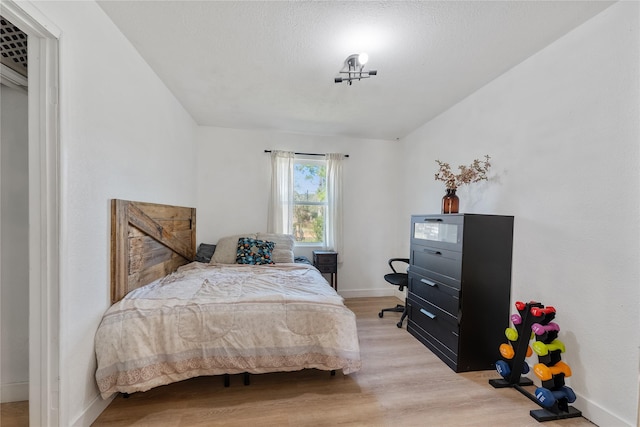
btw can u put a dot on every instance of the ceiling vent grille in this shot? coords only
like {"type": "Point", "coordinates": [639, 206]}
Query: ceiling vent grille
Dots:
{"type": "Point", "coordinates": [13, 47]}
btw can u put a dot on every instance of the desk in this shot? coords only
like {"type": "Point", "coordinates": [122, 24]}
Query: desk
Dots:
{"type": "Point", "coordinates": [327, 262]}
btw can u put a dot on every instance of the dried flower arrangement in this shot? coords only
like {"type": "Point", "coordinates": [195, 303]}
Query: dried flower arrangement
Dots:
{"type": "Point", "coordinates": [476, 171]}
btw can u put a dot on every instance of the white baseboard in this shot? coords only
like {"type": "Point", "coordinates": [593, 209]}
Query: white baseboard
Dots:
{"type": "Point", "coordinates": [93, 411]}
{"type": "Point", "coordinates": [14, 392]}
{"type": "Point", "coordinates": [590, 410]}
{"type": "Point", "coordinates": [598, 415]}
{"type": "Point", "coordinates": [363, 293]}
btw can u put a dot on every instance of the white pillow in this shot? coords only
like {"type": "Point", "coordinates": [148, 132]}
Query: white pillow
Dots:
{"type": "Point", "coordinates": [227, 248]}
{"type": "Point", "coordinates": [283, 251]}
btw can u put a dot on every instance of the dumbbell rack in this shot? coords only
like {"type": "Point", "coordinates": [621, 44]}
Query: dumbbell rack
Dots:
{"type": "Point", "coordinates": [560, 409]}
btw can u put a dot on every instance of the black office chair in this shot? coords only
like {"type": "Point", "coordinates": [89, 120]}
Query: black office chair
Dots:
{"type": "Point", "coordinates": [401, 280]}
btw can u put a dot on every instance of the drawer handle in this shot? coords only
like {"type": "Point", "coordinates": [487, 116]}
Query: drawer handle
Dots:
{"type": "Point", "coordinates": [427, 313]}
{"type": "Point", "coordinates": [432, 252]}
{"type": "Point", "coordinates": [429, 282]}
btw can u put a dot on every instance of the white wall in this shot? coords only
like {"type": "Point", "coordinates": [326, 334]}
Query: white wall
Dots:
{"type": "Point", "coordinates": [563, 132]}
{"type": "Point", "coordinates": [14, 298]}
{"type": "Point", "coordinates": [556, 126]}
{"type": "Point", "coordinates": [122, 135]}
{"type": "Point", "coordinates": [233, 192]}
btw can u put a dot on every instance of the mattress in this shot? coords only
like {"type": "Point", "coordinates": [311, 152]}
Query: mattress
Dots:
{"type": "Point", "coordinates": [213, 319]}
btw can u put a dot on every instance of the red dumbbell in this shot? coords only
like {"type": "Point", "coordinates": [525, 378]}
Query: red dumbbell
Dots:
{"type": "Point", "coordinates": [521, 305]}
{"type": "Point", "coordinates": [540, 311]}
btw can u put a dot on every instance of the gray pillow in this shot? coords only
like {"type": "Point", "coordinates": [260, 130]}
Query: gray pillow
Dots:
{"type": "Point", "coordinates": [283, 251]}
{"type": "Point", "coordinates": [227, 249]}
{"type": "Point", "coordinates": [205, 251]}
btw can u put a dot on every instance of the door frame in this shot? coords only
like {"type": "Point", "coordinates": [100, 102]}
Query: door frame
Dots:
{"type": "Point", "coordinates": [44, 211]}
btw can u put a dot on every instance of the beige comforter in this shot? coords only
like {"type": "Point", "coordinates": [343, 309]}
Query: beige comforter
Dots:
{"type": "Point", "coordinates": [216, 319]}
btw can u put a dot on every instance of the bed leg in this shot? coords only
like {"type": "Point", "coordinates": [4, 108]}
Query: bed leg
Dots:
{"type": "Point", "coordinates": [247, 379]}
{"type": "Point", "coordinates": [227, 380]}
{"type": "Point", "coordinates": [333, 372]}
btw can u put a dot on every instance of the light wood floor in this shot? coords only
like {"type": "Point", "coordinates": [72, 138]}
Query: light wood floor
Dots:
{"type": "Point", "coordinates": [401, 383]}
{"type": "Point", "coordinates": [14, 414]}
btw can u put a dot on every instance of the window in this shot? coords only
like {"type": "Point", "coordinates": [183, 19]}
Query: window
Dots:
{"type": "Point", "coordinates": [309, 201]}
{"type": "Point", "coordinates": [306, 199]}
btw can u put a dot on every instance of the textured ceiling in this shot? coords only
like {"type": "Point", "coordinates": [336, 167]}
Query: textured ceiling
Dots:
{"type": "Point", "coordinates": [271, 65]}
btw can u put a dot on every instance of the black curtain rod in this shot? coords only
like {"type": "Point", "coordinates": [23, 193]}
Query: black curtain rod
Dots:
{"type": "Point", "coordinates": [306, 154]}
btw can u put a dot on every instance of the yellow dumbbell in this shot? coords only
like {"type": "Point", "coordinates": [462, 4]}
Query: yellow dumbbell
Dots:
{"type": "Point", "coordinates": [543, 349]}
{"type": "Point", "coordinates": [511, 334]}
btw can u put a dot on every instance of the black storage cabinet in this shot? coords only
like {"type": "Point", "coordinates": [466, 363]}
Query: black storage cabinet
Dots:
{"type": "Point", "coordinates": [460, 286]}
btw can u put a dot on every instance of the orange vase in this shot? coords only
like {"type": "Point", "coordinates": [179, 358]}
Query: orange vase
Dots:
{"type": "Point", "coordinates": [450, 202]}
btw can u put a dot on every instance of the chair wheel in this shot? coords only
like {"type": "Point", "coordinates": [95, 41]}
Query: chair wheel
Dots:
{"type": "Point", "coordinates": [381, 314]}
{"type": "Point", "coordinates": [399, 324]}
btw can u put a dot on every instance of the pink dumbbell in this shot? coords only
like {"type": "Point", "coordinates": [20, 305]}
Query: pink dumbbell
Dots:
{"type": "Point", "coordinates": [539, 329]}
{"type": "Point", "coordinates": [516, 319]}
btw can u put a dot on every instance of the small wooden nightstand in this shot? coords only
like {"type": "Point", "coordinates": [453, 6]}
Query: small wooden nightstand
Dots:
{"type": "Point", "coordinates": [327, 262]}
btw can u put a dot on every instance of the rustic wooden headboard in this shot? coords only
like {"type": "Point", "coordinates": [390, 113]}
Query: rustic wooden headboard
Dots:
{"type": "Point", "coordinates": [148, 241]}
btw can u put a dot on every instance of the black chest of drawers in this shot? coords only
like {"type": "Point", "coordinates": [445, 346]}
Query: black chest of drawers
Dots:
{"type": "Point", "coordinates": [460, 286]}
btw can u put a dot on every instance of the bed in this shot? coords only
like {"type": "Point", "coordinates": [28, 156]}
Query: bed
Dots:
{"type": "Point", "coordinates": [173, 318]}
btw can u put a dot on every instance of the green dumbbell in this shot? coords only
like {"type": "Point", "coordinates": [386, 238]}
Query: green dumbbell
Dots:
{"type": "Point", "coordinates": [511, 334]}
{"type": "Point", "coordinates": [543, 349]}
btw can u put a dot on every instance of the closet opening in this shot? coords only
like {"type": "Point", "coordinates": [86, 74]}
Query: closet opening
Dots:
{"type": "Point", "coordinates": [14, 226]}
{"type": "Point", "coordinates": [42, 194]}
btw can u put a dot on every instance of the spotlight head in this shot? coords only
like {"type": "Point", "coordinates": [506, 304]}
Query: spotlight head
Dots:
{"type": "Point", "coordinates": [354, 69]}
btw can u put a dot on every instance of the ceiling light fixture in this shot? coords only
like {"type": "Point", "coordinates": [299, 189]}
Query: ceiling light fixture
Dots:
{"type": "Point", "coordinates": [354, 69]}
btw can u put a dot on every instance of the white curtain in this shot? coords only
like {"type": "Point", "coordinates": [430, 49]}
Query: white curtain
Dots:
{"type": "Point", "coordinates": [280, 217]}
{"type": "Point", "coordinates": [333, 226]}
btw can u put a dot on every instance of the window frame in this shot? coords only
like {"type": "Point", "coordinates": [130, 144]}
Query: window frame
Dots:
{"type": "Point", "coordinates": [310, 160]}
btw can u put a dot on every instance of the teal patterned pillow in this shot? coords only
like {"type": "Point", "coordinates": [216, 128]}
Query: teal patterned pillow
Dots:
{"type": "Point", "coordinates": [254, 251]}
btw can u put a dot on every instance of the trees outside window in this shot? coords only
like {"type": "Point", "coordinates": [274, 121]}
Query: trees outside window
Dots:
{"type": "Point", "coordinates": [310, 200]}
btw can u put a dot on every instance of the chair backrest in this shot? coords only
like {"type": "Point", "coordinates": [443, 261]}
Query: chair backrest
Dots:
{"type": "Point", "coordinates": [392, 260]}
{"type": "Point", "coordinates": [397, 278]}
